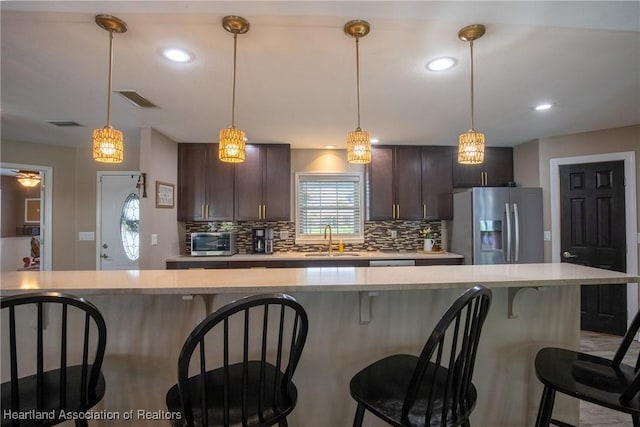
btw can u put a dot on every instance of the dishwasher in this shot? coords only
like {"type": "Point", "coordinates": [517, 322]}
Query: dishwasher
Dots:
{"type": "Point", "coordinates": [392, 263]}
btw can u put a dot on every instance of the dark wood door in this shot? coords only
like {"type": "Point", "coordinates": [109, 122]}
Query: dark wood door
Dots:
{"type": "Point", "coordinates": [277, 182]}
{"type": "Point", "coordinates": [437, 182]}
{"type": "Point", "coordinates": [192, 177]}
{"type": "Point", "coordinates": [593, 234]}
{"type": "Point", "coordinates": [219, 183]}
{"type": "Point", "coordinates": [381, 194]}
{"type": "Point", "coordinates": [496, 170]}
{"type": "Point", "coordinates": [248, 185]}
{"type": "Point", "coordinates": [408, 182]}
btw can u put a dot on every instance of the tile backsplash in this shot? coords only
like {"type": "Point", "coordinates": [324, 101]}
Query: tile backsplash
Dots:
{"type": "Point", "coordinates": [377, 235]}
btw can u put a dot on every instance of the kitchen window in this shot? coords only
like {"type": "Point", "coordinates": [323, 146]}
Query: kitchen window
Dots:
{"type": "Point", "coordinates": [333, 199]}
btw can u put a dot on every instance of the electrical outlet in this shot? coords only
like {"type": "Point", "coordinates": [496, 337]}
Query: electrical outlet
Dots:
{"type": "Point", "coordinates": [284, 235]}
{"type": "Point", "coordinates": [394, 234]}
{"type": "Point", "coordinates": [547, 235]}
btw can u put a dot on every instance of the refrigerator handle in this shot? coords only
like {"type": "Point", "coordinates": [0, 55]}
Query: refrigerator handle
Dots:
{"type": "Point", "coordinates": [508, 216]}
{"type": "Point", "coordinates": [516, 227]}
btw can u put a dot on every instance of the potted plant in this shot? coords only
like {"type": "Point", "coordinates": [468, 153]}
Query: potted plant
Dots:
{"type": "Point", "coordinates": [427, 236]}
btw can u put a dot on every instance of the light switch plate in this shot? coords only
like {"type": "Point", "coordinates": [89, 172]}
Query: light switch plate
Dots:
{"type": "Point", "coordinates": [284, 235]}
{"type": "Point", "coordinates": [154, 240]}
{"type": "Point", "coordinates": [547, 235]}
{"type": "Point", "coordinates": [394, 234]}
{"type": "Point", "coordinates": [86, 235]}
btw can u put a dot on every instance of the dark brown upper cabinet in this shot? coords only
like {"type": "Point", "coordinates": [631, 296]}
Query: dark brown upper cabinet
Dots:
{"type": "Point", "coordinates": [205, 184]}
{"type": "Point", "coordinates": [437, 182]}
{"type": "Point", "coordinates": [410, 183]}
{"type": "Point", "coordinates": [495, 171]}
{"type": "Point", "coordinates": [263, 183]}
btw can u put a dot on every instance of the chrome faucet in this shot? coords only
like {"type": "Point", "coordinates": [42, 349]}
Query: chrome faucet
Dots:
{"type": "Point", "coordinates": [330, 238]}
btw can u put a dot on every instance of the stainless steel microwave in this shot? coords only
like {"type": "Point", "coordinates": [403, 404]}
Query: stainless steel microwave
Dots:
{"type": "Point", "coordinates": [213, 244]}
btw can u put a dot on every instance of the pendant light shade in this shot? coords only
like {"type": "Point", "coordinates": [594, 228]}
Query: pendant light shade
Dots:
{"type": "Point", "coordinates": [108, 143]}
{"type": "Point", "coordinates": [358, 141]}
{"type": "Point", "coordinates": [231, 147]}
{"type": "Point", "coordinates": [471, 143]}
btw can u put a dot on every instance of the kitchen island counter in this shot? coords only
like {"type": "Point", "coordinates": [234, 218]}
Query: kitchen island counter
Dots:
{"type": "Point", "coordinates": [321, 279]}
{"type": "Point", "coordinates": [150, 313]}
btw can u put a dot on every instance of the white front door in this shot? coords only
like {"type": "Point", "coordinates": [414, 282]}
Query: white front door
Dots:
{"type": "Point", "coordinates": [118, 221]}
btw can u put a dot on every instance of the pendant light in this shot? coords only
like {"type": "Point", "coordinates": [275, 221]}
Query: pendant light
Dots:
{"type": "Point", "coordinates": [107, 141]}
{"type": "Point", "coordinates": [358, 141]}
{"type": "Point", "coordinates": [232, 139]}
{"type": "Point", "coordinates": [471, 143]}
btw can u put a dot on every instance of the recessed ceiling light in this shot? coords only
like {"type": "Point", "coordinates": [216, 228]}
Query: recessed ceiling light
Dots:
{"type": "Point", "coordinates": [177, 55]}
{"type": "Point", "coordinates": [542, 107]}
{"type": "Point", "coordinates": [329, 147]}
{"type": "Point", "coordinates": [441, 64]}
{"type": "Point", "coordinates": [374, 140]}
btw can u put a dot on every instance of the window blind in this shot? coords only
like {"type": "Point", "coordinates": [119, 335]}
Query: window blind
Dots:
{"type": "Point", "coordinates": [329, 199]}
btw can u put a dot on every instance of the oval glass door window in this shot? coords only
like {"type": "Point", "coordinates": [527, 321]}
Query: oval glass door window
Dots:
{"type": "Point", "coordinates": [130, 226]}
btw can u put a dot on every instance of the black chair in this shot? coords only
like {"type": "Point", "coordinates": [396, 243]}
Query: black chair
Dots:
{"type": "Point", "coordinates": [406, 390]}
{"type": "Point", "coordinates": [70, 390]}
{"type": "Point", "coordinates": [608, 383]}
{"type": "Point", "coordinates": [253, 387]}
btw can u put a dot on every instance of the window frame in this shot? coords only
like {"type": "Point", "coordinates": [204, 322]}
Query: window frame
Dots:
{"type": "Point", "coordinates": [318, 239]}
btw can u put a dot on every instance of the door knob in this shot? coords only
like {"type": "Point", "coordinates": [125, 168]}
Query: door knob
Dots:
{"type": "Point", "coordinates": [105, 256]}
{"type": "Point", "coordinates": [566, 254]}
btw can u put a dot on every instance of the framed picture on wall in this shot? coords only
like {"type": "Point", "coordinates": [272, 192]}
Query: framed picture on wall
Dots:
{"type": "Point", "coordinates": [32, 210]}
{"type": "Point", "coordinates": [164, 195]}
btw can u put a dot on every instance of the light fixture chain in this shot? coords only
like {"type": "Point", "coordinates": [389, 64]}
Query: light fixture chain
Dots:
{"type": "Point", "coordinates": [110, 79]}
{"type": "Point", "coordinates": [358, 76]}
{"type": "Point", "coordinates": [472, 100]}
{"type": "Point", "coordinates": [233, 96]}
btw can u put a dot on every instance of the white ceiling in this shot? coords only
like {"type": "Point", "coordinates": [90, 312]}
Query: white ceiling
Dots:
{"type": "Point", "coordinates": [296, 70]}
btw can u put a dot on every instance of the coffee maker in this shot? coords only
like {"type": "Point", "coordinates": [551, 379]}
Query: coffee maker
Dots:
{"type": "Point", "coordinates": [262, 241]}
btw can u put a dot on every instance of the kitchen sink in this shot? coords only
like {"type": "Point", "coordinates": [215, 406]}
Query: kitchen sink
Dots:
{"type": "Point", "coordinates": [334, 254]}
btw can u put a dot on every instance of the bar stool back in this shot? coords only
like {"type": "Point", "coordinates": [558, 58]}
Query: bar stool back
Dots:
{"type": "Point", "coordinates": [254, 386]}
{"type": "Point", "coordinates": [405, 390]}
{"type": "Point", "coordinates": [57, 394]}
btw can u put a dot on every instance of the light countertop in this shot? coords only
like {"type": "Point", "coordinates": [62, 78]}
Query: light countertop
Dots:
{"type": "Point", "coordinates": [298, 256]}
{"type": "Point", "coordinates": [313, 279]}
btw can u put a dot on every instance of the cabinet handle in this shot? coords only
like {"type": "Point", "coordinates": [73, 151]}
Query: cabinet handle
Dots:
{"type": "Point", "coordinates": [398, 211]}
{"type": "Point", "coordinates": [485, 178]}
{"type": "Point", "coordinates": [424, 211]}
{"type": "Point", "coordinates": [206, 211]}
{"type": "Point", "coordinates": [264, 211]}
{"type": "Point", "coordinates": [393, 211]}
{"type": "Point", "coordinates": [202, 211]}
{"type": "Point", "coordinates": [259, 211]}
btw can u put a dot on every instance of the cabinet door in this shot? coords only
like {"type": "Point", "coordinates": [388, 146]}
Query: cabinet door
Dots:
{"type": "Point", "coordinates": [497, 168]}
{"type": "Point", "coordinates": [219, 186]}
{"type": "Point", "coordinates": [408, 183]}
{"type": "Point", "coordinates": [381, 197]}
{"type": "Point", "coordinates": [277, 182]}
{"type": "Point", "coordinates": [437, 182]}
{"type": "Point", "coordinates": [248, 185]}
{"type": "Point", "coordinates": [192, 167]}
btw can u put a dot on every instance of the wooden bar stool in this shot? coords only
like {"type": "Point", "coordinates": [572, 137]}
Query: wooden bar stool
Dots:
{"type": "Point", "coordinates": [70, 390]}
{"type": "Point", "coordinates": [608, 383]}
{"type": "Point", "coordinates": [405, 390]}
{"type": "Point", "coordinates": [253, 384]}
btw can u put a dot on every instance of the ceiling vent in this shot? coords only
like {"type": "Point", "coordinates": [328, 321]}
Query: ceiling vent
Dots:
{"type": "Point", "coordinates": [64, 123]}
{"type": "Point", "coordinates": [136, 99]}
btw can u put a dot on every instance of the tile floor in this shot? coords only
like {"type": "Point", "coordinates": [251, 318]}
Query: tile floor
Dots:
{"type": "Point", "coordinates": [604, 346]}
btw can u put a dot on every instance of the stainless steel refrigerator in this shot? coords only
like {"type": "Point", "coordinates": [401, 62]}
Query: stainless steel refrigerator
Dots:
{"type": "Point", "coordinates": [498, 225]}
